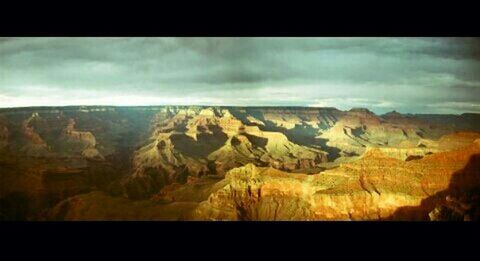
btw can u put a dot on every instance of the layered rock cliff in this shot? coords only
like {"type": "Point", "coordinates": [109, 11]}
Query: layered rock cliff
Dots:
{"type": "Point", "coordinates": [211, 141]}
{"type": "Point", "coordinates": [233, 163]}
{"type": "Point", "coordinates": [372, 188]}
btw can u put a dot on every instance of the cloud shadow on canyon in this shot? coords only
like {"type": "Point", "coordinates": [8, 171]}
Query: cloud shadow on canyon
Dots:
{"type": "Point", "coordinates": [463, 187]}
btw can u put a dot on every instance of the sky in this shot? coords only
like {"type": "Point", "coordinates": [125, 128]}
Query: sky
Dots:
{"type": "Point", "coordinates": [409, 75]}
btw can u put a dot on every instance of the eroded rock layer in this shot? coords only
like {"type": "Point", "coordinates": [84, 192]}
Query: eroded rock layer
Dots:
{"type": "Point", "coordinates": [210, 142]}
{"type": "Point", "coordinates": [234, 163]}
{"type": "Point", "coordinates": [372, 188]}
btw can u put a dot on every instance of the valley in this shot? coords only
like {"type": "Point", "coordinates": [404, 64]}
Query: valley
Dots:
{"type": "Point", "coordinates": [236, 163]}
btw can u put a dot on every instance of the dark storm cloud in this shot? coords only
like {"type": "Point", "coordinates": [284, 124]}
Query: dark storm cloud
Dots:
{"type": "Point", "coordinates": [455, 48]}
{"type": "Point", "coordinates": [347, 59]}
{"type": "Point", "coordinates": [409, 74]}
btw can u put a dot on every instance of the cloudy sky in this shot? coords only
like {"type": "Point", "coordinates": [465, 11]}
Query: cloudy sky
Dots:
{"type": "Point", "coordinates": [410, 75]}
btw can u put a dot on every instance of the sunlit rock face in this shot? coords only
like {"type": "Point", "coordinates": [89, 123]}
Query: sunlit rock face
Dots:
{"type": "Point", "coordinates": [233, 163]}
{"type": "Point", "coordinates": [372, 188]}
{"type": "Point", "coordinates": [199, 141]}
{"type": "Point", "coordinates": [211, 141]}
{"type": "Point", "coordinates": [360, 129]}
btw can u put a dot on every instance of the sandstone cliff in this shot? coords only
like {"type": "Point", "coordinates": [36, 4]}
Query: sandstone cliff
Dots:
{"type": "Point", "coordinates": [372, 188]}
{"type": "Point", "coordinates": [211, 141]}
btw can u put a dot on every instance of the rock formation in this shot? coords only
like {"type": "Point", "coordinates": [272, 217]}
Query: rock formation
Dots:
{"type": "Point", "coordinates": [234, 163]}
{"type": "Point", "coordinates": [35, 146]}
{"type": "Point", "coordinates": [210, 142]}
{"type": "Point", "coordinates": [85, 139]}
{"type": "Point", "coordinates": [372, 188]}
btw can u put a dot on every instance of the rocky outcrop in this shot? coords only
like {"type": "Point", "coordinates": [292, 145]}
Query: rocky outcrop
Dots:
{"type": "Point", "coordinates": [451, 208]}
{"type": "Point", "coordinates": [84, 139]}
{"type": "Point", "coordinates": [82, 136]}
{"type": "Point", "coordinates": [210, 142]}
{"type": "Point", "coordinates": [35, 146]}
{"type": "Point", "coordinates": [459, 201]}
{"type": "Point", "coordinates": [372, 188]}
{"type": "Point", "coordinates": [41, 165]}
{"type": "Point", "coordinates": [360, 129]}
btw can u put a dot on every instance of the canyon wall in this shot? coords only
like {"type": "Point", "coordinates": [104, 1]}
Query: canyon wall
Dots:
{"type": "Point", "coordinates": [233, 163]}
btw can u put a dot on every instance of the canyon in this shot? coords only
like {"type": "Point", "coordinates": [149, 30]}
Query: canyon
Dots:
{"type": "Point", "coordinates": [237, 163]}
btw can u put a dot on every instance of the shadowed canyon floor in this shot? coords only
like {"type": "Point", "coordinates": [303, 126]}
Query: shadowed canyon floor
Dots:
{"type": "Point", "coordinates": [234, 163]}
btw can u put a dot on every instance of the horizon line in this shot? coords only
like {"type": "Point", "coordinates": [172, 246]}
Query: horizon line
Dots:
{"type": "Point", "coordinates": [234, 106]}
